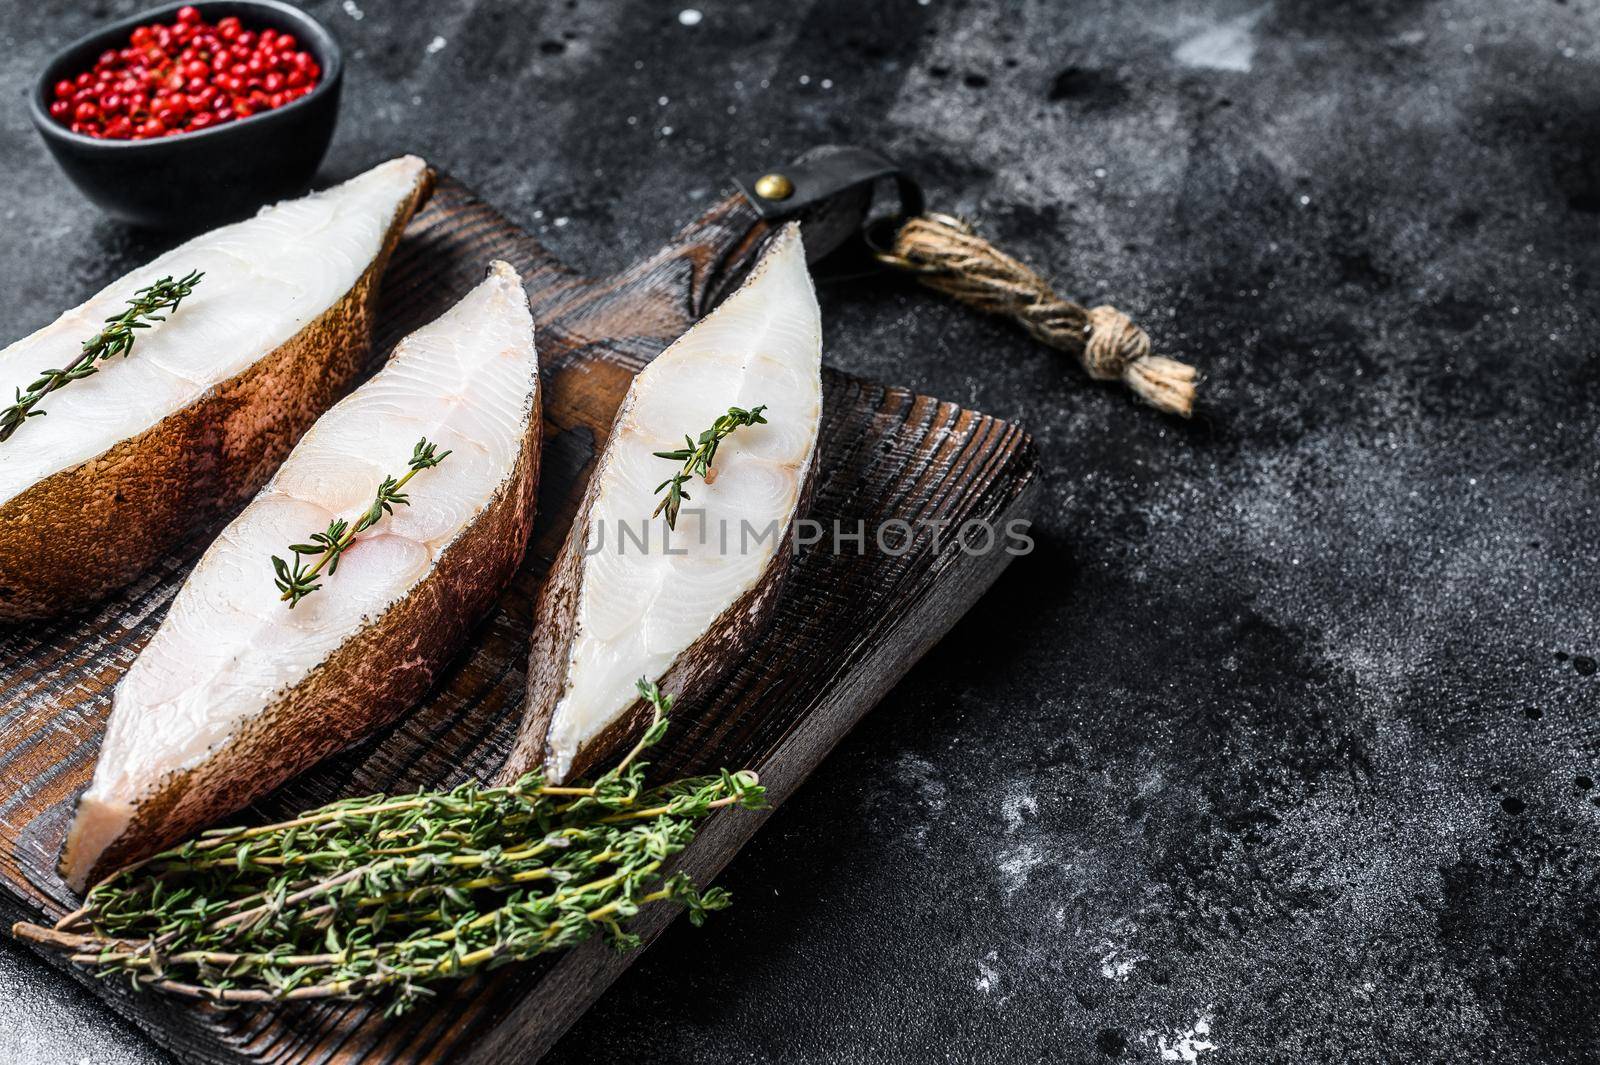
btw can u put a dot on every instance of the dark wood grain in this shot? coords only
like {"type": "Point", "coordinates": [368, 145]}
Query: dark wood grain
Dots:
{"type": "Point", "coordinates": [847, 627]}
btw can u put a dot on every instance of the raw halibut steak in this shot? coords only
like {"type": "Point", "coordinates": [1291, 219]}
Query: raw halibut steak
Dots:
{"type": "Point", "coordinates": [237, 692]}
{"type": "Point", "coordinates": [179, 433]}
{"type": "Point", "coordinates": [610, 612]}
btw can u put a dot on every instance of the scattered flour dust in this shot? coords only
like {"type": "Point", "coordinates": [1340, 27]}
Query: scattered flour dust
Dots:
{"type": "Point", "coordinates": [1119, 958]}
{"type": "Point", "coordinates": [917, 776]}
{"type": "Point", "coordinates": [436, 45]}
{"type": "Point", "coordinates": [1020, 858]}
{"type": "Point", "coordinates": [988, 973]}
{"type": "Point", "coordinates": [1116, 965]}
{"type": "Point", "coordinates": [1018, 808]}
{"type": "Point", "coordinates": [353, 10]}
{"type": "Point", "coordinates": [1229, 45]}
{"type": "Point", "coordinates": [1017, 863]}
{"type": "Point", "coordinates": [1186, 1046]}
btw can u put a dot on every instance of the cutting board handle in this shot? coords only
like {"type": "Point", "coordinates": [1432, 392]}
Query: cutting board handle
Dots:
{"type": "Point", "coordinates": [720, 247]}
{"type": "Point", "coordinates": [829, 190]}
{"type": "Point", "coordinates": [696, 267]}
{"type": "Point", "coordinates": [634, 314]}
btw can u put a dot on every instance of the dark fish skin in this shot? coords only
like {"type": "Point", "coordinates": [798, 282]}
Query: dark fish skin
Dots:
{"type": "Point", "coordinates": [691, 677]}
{"type": "Point", "coordinates": [78, 535]}
{"type": "Point", "coordinates": [373, 677]}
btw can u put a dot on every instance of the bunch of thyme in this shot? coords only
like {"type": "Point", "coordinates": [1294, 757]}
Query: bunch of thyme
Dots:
{"type": "Point", "coordinates": [115, 339]}
{"type": "Point", "coordinates": [697, 457]}
{"type": "Point", "coordinates": [384, 896]}
{"type": "Point", "coordinates": [327, 546]}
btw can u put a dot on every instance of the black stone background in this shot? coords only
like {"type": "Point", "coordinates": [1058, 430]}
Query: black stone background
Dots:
{"type": "Point", "coordinates": [1279, 748]}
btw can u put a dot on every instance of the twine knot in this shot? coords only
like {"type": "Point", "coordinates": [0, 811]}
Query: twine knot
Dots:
{"type": "Point", "coordinates": [948, 256]}
{"type": "Point", "coordinates": [1111, 343]}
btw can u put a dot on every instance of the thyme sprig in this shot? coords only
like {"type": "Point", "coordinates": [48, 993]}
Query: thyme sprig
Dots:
{"type": "Point", "coordinates": [697, 456]}
{"type": "Point", "coordinates": [300, 580]}
{"type": "Point", "coordinates": [117, 338]}
{"type": "Point", "coordinates": [388, 895]}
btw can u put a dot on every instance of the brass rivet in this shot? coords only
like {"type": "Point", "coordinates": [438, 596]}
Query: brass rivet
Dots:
{"type": "Point", "coordinates": [774, 187]}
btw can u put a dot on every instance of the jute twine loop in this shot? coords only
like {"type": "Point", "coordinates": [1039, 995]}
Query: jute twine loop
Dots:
{"type": "Point", "coordinates": [949, 257]}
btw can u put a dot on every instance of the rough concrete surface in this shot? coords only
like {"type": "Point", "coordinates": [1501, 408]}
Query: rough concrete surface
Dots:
{"type": "Point", "coordinates": [1281, 746]}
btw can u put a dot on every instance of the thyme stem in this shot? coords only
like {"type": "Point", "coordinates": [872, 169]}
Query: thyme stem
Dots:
{"type": "Point", "coordinates": [117, 338]}
{"type": "Point", "coordinates": [390, 895]}
{"type": "Point", "coordinates": [328, 546]}
{"type": "Point", "coordinates": [697, 457]}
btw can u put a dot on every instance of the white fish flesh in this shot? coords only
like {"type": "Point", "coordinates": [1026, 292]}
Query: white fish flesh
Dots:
{"type": "Point", "coordinates": [237, 692]}
{"type": "Point", "coordinates": [611, 611]}
{"type": "Point", "coordinates": [179, 433]}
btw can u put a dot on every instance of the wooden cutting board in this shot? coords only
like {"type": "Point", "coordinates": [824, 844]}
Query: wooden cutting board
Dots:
{"type": "Point", "coordinates": [848, 627]}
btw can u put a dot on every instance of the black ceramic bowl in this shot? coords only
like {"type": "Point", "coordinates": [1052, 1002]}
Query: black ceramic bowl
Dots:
{"type": "Point", "coordinates": [210, 175]}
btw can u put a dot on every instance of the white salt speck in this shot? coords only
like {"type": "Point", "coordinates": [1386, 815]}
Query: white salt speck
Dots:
{"type": "Point", "coordinates": [1305, 201]}
{"type": "Point", "coordinates": [538, 214]}
{"type": "Point", "coordinates": [827, 83]}
{"type": "Point", "coordinates": [924, 3]}
{"type": "Point", "coordinates": [416, 101]}
{"type": "Point", "coordinates": [436, 45]}
{"type": "Point", "coordinates": [766, 83]}
{"type": "Point", "coordinates": [1188, 1046]}
{"type": "Point", "coordinates": [689, 17]}
{"type": "Point", "coordinates": [633, 120]}
{"type": "Point", "coordinates": [562, 221]}
{"type": "Point", "coordinates": [666, 131]}
{"type": "Point", "coordinates": [352, 10]}
{"type": "Point", "coordinates": [1100, 171]}
{"type": "Point", "coordinates": [805, 79]}
{"type": "Point", "coordinates": [662, 101]}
